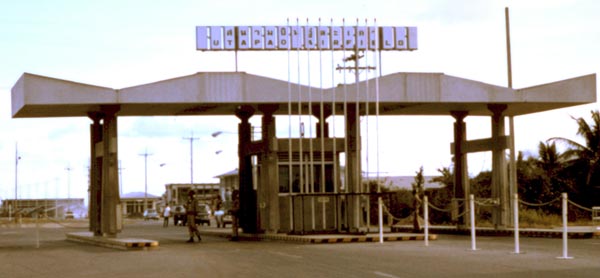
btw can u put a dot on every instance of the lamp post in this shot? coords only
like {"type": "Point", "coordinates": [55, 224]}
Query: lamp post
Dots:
{"type": "Point", "coordinates": [69, 189]}
{"type": "Point", "coordinates": [145, 155]}
{"type": "Point", "coordinates": [17, 158]}
{"type": "Point", "coordinates": [192, 138]}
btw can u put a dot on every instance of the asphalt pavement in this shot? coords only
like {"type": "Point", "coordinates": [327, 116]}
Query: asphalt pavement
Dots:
{"type": "Point", "coordinates": [43, 251]}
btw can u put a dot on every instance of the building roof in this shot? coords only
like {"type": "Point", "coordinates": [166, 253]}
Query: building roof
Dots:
{"type": "Point", "coordinates": [220, 93]}
{"type": "Point", "coordinates": [233, 172]}
{"type": "Point", "coordinates": [138, 195]}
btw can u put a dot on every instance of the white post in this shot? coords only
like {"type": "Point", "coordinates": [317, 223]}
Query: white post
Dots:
{"type": "Point", "coordinates": [426, 219]}
{"type": "Point", "coordinates": [564, 227]}
{"type": "Point", "coordinates": [516, 221]}
{"type": "Point", "coordinates": [380, 216]}
{"type": "Point", "coordinates": [472, 213]}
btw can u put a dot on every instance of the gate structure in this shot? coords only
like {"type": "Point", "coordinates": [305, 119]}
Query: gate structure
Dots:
{"type": "Point", "coordinates": [310, 182]}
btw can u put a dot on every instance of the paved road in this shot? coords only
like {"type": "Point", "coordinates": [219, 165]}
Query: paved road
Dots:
{"type": "Point", "coordinates": [449, 256]}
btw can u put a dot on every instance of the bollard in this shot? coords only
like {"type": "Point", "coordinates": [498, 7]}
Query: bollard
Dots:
{"type": "Point", "coordinates": [516, 222]}
{"type": "Point", "coordinates": [472, 213]}
{"type": "Point", "coordinates": [565, 255]}
{"type": "Point", "coordinates": [426, 219]}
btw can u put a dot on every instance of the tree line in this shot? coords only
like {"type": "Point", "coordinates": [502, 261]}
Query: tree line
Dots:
{"type": "Point", "coordinates": [540, 179]}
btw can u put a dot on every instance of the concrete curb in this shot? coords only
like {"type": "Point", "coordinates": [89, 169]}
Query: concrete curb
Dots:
{"type": "Point", "coordinates": [115, 243]}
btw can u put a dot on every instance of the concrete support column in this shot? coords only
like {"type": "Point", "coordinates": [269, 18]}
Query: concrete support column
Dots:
{"type": "Point", "coordinates": [317, 114]}
{"type": "Point", "coordinates": [95, 185]}
{"type": "Point", "coordinates": [353, 169]}
{"type": "Point", "coordinates": [268, 189]}
{"type": "Point", "coordinates": [110, 174]}
{"type": "Point", "coordinates": [500, 214]}
{"type": "Point", "coordinates": [248, 216]}
{"type": "Point", "coordinates": [461, 173]}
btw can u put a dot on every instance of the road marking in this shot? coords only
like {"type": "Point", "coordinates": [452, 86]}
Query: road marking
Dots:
{"type": "Point", "coordinates": [385, 274]}
{"type": "Point", "coordinates": [8, 233]}
{"type": "Point", "coordinates": [286, 255]}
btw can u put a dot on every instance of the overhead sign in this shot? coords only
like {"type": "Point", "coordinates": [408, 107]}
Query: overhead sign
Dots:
{"type": "Point", "coordinates": [223, 38]}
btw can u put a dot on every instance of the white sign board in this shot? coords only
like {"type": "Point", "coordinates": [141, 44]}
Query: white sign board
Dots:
{"type": "Point", "coordinates": [256, 38]}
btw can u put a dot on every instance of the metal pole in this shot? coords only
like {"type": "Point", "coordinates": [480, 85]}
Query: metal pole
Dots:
{"type": "Point", "coordinates": [145, 155]}
{"type": "Point", "coordinates": [472, 213]}
{"type": "Point", "coordinates": [516, 222]}
{"type": "Point", "coordinates": [511, 120]}
{"type": "Point", "coordinates": [426, 218]}
{"type": "Point", "coordinates": [564, 227]}
{"type": "Point", "coordinates": [380, 217]}
{"type": "Point", "coordinates": [192, 138]}
{"type": "Point", "coordinates": [16, 207]}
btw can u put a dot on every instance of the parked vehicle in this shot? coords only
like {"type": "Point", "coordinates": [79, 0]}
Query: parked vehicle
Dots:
{"type": "Point", "coordinates": [179, 217]}
{"type": "Point", "coordinates": [203, 214]}
{"type": "Point", "coordinates": [151, 214]}
{"type": "Point", "coordinates": [227, 219]}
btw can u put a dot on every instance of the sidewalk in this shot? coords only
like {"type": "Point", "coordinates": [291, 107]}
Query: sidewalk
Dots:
{"type": "Point", "coordinates": [132, 242]}
{"type": "Point", "coordinates": [319, 238]}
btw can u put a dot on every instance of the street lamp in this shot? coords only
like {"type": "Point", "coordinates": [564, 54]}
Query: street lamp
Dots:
{"type": "Point", "coordinates": [17, 158]}
{"type": "Point", "coordinates": [192, 138]}
{"type": "Point", "coordinates": [145, 155]}
{"type": "Point", "coordinates": [69, 190]}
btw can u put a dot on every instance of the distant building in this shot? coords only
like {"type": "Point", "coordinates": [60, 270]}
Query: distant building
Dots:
{"type": "Point", "coordinates": [176, 193]}
{"type": "Point", "coordinates": [227, 183]}
{"type": "Point", "coordinates": [51, 208]}
{"type": "Point", "coordinates": [133, 203]}
{"type": "Point", "coordinates": [405, 182]}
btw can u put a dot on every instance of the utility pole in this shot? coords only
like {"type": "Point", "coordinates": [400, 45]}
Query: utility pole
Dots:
{"type": "Point", "coordinates": [17, 158]}
{"type": "Point", "coordinates": [192, 138]}
{"type": "Point", "coordinates": [145, 155]}
{"type": "Point", "coordinates": [68, 188]}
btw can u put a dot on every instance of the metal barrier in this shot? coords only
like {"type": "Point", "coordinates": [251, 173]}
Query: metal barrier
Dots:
{"type": "Point", "coordinates": [310, 213]}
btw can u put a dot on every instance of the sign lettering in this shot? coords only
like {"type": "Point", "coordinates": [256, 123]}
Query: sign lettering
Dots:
{"type": "Point", "coordinates": [218, 38]}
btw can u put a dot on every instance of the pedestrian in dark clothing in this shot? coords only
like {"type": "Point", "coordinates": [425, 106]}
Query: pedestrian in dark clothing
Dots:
{"type": "Point", "coordinates": [190, 210]}
{"type": "Point", "coordinates": [235, 211]}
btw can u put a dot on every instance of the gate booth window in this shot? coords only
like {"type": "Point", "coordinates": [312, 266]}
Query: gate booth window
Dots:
{"type": "Point", "coordinates": [306, 203]}
{"type": "Point", "coordinates": [310, 181]}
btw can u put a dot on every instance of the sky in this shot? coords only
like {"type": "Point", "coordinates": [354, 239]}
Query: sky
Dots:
{"type": "Point", "coordinates": [119, 44]}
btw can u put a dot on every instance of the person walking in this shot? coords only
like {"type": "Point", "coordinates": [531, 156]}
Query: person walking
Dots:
{"type": "Point", "coordinates": [218, 211]}
{"type": "Point", "coordinates": [235, 211]}
{"type": "Point", "coordinates": [166, 215]}
{"type": "Point", "coordinates": [190, 210]}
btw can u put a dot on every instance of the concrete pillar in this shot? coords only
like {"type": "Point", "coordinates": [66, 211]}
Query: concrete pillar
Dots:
{"type": "Point", "coordinates": [461, 173]}
{"type": "Point", "coordinates": [317, 114]}
{"type": "Point", "coordinates": [248, 216]}
{"type": "Point", "coordinates": [110, 174]}
{"type": "Point", "coordinates": [268, 189]}
{"type": "Point", "coordinates": [353, 169]}
{"type": "Point", "coordinates": [500, 214]}
{"type": "Point", "coordinates": [95, 189]}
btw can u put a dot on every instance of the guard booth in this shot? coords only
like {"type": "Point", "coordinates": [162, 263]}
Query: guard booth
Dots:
{"type": "Point", "coordinates": [307, 205]}
{"type": "Point", "coordinates": [312, 194]}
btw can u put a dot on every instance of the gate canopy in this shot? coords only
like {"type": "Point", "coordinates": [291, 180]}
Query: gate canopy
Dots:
{"type": "Point", "coordinates": [219, 93]}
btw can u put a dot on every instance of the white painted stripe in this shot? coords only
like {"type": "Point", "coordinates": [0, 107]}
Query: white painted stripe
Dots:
{"type": "Point", "coordinates": [385, 274]}
{"type": "Point", "coordinates": [286, 255]}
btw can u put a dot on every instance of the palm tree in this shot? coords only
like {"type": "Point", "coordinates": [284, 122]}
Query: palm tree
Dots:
{"type": "Point", "coordinates": [584, 157]}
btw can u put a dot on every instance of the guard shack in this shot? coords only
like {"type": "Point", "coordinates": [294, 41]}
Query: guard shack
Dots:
{"type": "Point", "coordinates": [299, 184]}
